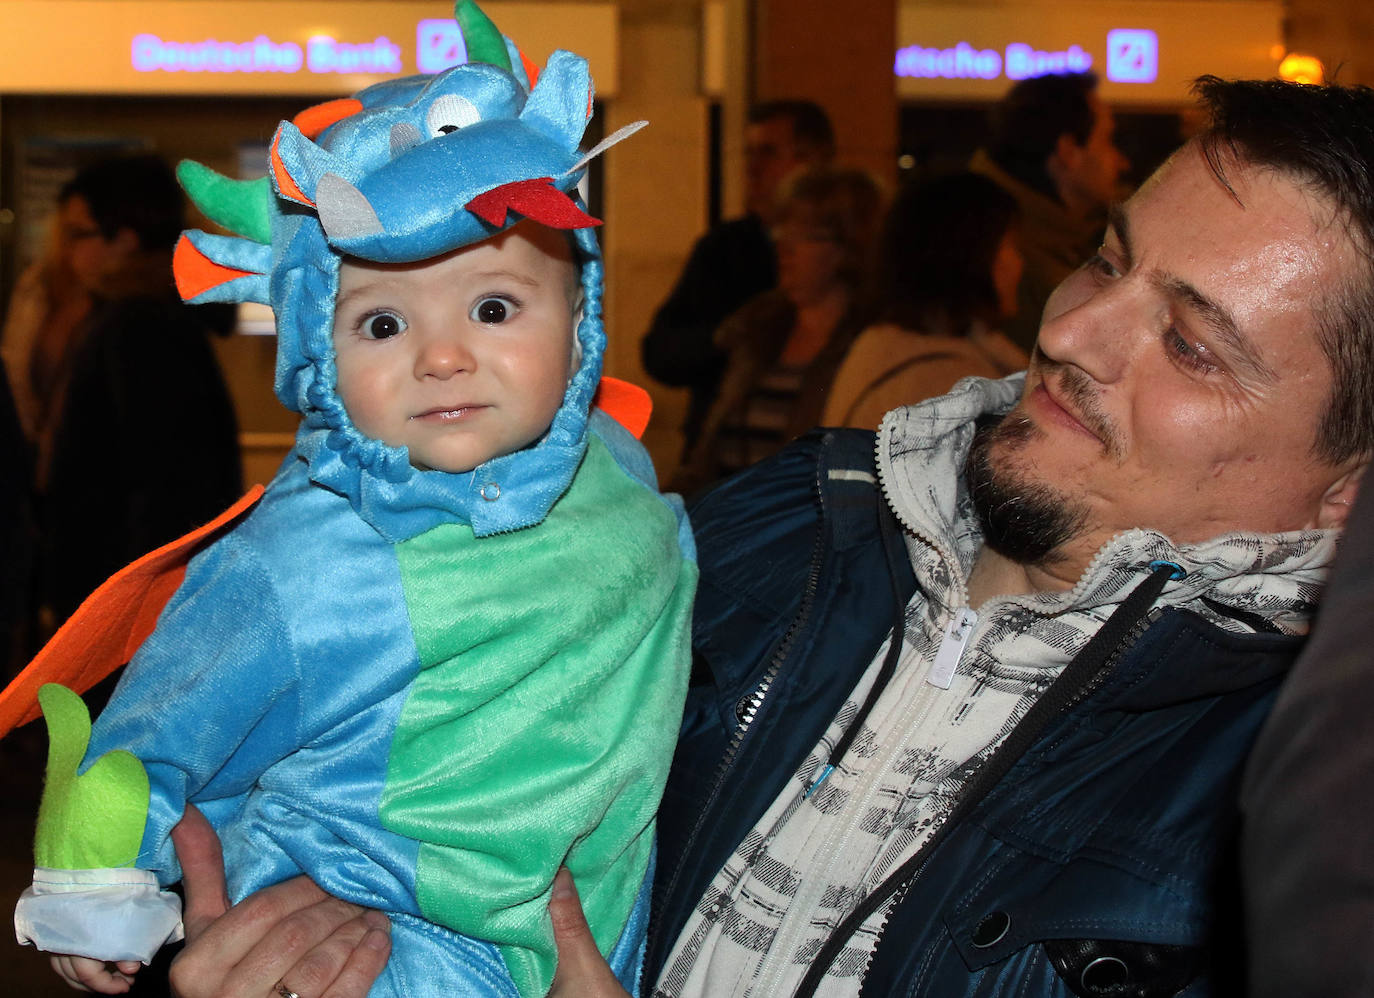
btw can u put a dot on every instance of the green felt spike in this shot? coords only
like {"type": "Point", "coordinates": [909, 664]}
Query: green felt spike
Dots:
{"type": "Point", "coordinates": [244, 207]}
{"type": "Point", "coordinates": [93, 820]}
{"type": "Point", "coordinates": [484, 42]}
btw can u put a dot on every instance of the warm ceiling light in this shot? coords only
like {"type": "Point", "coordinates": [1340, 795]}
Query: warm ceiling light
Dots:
{"type": "Point", "coordinates": [1297, 68]}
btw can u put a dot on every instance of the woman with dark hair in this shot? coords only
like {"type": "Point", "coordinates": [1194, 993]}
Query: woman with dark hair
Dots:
{"type": "Point", "coordinates": [783, 346]}
{"type": "Point", "coordinates": [946, 274]}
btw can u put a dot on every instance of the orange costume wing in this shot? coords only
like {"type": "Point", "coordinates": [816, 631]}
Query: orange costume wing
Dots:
{"type": "Point", "coordinates": [628, 404]}
{"type": "Point", "coordinates": [109, 626]}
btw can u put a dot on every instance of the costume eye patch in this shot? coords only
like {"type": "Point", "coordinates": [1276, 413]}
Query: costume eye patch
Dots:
{"type": "Point", "coordinates": [450, 113]}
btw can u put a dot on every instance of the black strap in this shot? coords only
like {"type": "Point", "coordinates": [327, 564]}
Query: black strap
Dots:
{"type": "Point", "coordinates": [891, 533]}
{"type": "Point", "coordinates": [1077, 677]}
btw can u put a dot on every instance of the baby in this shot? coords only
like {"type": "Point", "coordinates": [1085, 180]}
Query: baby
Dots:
{"type": "Point", "coordinates": [445, 653]}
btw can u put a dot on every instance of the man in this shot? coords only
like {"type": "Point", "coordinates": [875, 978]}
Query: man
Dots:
{"type": "Point", "coordinates": [144, 446]}
{"type": "Point", "coordinates": [1097, 581]}
{"type": "Point", "coordinates": [735, 260]}
{"type": "Point", "coordinates": [1051, 147]}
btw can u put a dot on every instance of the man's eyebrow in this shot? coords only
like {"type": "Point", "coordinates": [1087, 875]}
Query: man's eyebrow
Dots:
{"type": "Point", "coordinates": [1218, 317]}
{"type": "Point", "coordinates": [1120, 223]}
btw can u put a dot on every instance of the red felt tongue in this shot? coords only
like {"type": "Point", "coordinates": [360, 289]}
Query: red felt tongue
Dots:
{"type": "Point", "coordinates": [535, 199]}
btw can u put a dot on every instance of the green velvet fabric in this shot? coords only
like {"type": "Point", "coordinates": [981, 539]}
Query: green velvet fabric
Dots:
{"type": "Point", "coordinates": [92, 820]}
{"type": "Point", "coordinates": [539, 731]}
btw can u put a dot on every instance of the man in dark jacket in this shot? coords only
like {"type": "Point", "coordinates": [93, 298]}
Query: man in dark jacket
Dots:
{"type": "Point", "coordinates": [1051, 146]}
{"type": "Point", "coordinates": [735, 260]}
{"type": "Point", "coordinates": [970, 714]}
{"type": "Point", "coordinates": [145, 444]}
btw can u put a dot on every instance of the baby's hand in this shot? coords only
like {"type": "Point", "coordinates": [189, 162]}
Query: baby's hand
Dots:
{"type": "Point", "coordinates": [86, 974]}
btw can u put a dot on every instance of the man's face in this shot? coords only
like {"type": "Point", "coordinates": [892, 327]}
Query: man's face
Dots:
{"type": "Point", "coordinates": [810, 255]}
{"type": "Point", "coordinates": [1093, 169]}
{"type": "Point", "coordinates": [1178, 381]}
{"type": "Point", "coordinates": [461, 358]}
{"type": "Point", "coordinates": [93, 259]}
{"type": "Point", "coordinates": [770, 154]}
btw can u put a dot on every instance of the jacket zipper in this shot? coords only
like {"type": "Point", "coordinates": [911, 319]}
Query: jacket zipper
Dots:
{"type": "Point", "coordinates": [747, 708]}
{"type": "Point", "coordinates": [989, 774]}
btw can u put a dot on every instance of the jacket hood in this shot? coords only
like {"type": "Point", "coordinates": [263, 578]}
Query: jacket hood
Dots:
{"type": "Point", "coordinates": [403, 171]}
{"type": "Point", "coordinates": [1276, 577]}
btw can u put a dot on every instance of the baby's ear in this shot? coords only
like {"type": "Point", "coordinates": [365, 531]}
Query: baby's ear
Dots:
{"type": "Point", "coordinates": [578, 298]}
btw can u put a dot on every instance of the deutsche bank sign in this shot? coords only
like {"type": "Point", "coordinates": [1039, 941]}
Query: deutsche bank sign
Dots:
{"type": "Point", "coordinates": [1132, 57]}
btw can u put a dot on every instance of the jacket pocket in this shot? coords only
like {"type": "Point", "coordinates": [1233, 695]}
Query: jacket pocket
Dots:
{"type": "Point", "coordinates": [1101, 931]}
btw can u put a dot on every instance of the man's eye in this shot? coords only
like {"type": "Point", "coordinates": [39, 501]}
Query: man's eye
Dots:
{"type": "Point", "coordinates": [492, 311]}
{"type": "Point", "coordinates": [1190, 355]}
{"type": "Point", "coordinates": [383, 325]}
{"type": "Point", "coordinates": [1101, 265]}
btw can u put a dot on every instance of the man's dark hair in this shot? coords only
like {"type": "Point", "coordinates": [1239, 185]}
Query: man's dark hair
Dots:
{"type": "Point", "coordinates": [1025, 125]}
{"type": "Point", "coordinates": [1322, 137]}
{"type": "Point", "coordinates": [132, 192]}
{"type": "Point", "coordinates": [811, 127]}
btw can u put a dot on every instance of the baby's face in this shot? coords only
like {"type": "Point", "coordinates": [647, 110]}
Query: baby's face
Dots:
{"type": "Point", "coordinates": [463, 357]}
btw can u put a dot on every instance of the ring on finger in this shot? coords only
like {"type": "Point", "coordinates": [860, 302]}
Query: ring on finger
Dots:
{"type": "Point", "coordinates": [285, 992]}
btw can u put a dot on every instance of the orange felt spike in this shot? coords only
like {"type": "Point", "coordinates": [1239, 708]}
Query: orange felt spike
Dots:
{"type": "Point", "coordinates": [109, 626]}
{"type": "Point", "coordinates": [196, 273]}
{"type": "Point", "coordinates": [315, 119]}
{"type": "Point", "coordinates": [531, 70]}
{"type": "Point", "coordinates": [629, 405]}
{"type": "Point", "coordinates": [285, 185]}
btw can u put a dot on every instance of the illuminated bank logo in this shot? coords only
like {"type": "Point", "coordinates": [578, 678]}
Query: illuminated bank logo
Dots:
{"type": "Point", "coordinates": [322, 54]}
{"type": "Point", "coordinates": [963, 61]}
{"type": "Point", "coordinates": [439, 45]}
{"type": "Point", "coordinates": [1025, 61]}
{"type": "Point", "coordinates": [1132, 55]}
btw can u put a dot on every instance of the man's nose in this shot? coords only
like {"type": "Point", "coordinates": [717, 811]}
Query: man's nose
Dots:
{"type": "Point", "coordinates": [1101, 334]}
{"type": "Point", "coordinates": [442, 355]}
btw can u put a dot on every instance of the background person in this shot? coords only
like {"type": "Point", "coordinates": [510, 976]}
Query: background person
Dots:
{"type": "Point", "coordinates": [47, 310]}
{"type": "Point", "coordinates": [735, 260]}
{"type": "Point", "coordinates": [1051, 147]}
{"type": "Point", "coordinates": [945, 275]}
{"type": "Point", "coordinates": [782, 346]}
{"type": "Point", "coordinates": [143, 446]}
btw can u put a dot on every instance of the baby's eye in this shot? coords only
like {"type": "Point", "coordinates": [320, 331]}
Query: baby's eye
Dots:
{"type": "Point", "coordinates": [383, 325]}
{"type": "Point", "coordinates": [493, 311]}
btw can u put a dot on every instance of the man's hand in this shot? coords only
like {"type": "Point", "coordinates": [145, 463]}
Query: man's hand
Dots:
{"type": "Point", "coordinates": [293, 933]}
{"type": "Point", "coordinates": [582, 971]}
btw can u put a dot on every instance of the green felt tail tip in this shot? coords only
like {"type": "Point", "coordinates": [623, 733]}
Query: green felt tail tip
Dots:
{"type": "Point", "coordinates": [484, 42]}
{"type": "Point", "coordinates": [92, 820]}
{"type": "Point", "coordinates": [244, 207]}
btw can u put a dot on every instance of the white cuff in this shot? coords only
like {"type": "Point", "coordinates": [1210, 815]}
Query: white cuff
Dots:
{"type": "Point", "coordinates": [117, 914]}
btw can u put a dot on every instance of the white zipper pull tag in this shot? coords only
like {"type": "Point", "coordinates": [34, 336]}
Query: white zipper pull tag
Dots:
{"type": "Point", "coordinates": [952, 647]}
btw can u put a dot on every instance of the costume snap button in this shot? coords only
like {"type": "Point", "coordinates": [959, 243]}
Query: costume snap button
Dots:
{"type": "Point", "coordinates": [490, 492]}
{"type": "Point", "coordinates": [991, 929]}
{"type": "Point", "coordinates": [1104, 975]}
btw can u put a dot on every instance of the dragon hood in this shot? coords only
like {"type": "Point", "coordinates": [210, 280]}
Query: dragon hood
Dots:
{"type": "Point", "coordinates": [406, 170]}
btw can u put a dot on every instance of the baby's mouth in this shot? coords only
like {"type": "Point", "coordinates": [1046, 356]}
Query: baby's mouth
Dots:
{"type": "Point", "coordinates": [443, 413]}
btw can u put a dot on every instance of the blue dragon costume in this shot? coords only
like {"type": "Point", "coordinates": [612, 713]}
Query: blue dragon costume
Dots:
{"type": "Point", "coordinates": [426, 690]}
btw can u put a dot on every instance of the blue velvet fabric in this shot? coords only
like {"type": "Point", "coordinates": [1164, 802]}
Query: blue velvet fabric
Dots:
{"type": "Point", "coordinates": [269, 693]}
{"type": "Point", "coordinates": [248, 701]}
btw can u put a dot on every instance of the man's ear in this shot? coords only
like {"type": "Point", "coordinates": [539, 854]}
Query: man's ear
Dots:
{"type": "Point", "coordinates": [1340, 496]}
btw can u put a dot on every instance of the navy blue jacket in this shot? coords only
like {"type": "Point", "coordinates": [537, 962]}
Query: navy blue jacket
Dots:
{"type": "Point", "coordinates": [1092, 855]}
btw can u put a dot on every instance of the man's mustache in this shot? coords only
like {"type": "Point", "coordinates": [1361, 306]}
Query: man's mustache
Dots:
{"type": "Point", "coordinates": [1082, 394]}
